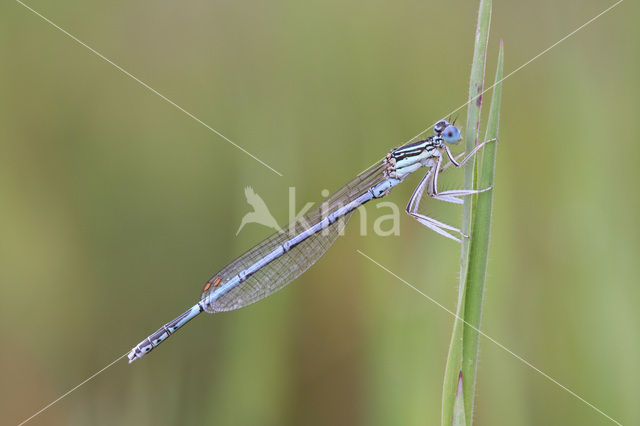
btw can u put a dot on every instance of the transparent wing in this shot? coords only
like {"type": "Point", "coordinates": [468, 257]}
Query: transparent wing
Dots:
{"type": "Point", "coordinates": [297, 260]}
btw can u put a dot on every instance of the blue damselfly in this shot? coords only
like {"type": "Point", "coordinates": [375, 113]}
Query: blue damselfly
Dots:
{"type": "Point", "coordinates": [285, 255]}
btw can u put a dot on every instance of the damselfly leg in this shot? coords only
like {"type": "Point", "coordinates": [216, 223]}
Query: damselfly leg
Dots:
{"type": "Point", "coordinates": [433, 224]}
{"type": "Point", "coordinates": [453, 161]}
{"type": "Point", "coordinates": [430, 183]}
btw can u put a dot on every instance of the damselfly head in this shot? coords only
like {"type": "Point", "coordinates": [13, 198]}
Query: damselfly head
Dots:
{"type": "Point", "coordinates": [451, 134]}
{"type": "Point", "coordinates": [439, 127]}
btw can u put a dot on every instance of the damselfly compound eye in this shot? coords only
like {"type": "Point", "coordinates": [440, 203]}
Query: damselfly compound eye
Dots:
{"type": "Point", "coordinates": [440, 126]}
{"type": "Point", "coordinates": [451, 134]}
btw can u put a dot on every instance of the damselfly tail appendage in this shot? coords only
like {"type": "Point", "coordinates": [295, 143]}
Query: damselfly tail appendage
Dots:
{"type": "Point", "coordinates": [148, 344]}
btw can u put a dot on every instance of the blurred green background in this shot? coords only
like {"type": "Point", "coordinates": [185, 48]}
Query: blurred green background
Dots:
{"type": "Point", "coordinates": [116, 207]}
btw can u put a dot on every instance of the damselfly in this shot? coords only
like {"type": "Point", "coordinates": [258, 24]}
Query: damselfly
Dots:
{"type": "Point", "coordinates": [285, 255]}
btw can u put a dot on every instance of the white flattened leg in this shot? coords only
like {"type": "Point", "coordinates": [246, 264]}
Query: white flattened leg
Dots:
{"type": "Point", "coordinates": [451, 196]}
{"type": "Point", "coordinates": [448, 199]}
{"type": "Point", "coordinates": [468, 157]}
{"type": "Point", "coordinates": [449, 164]}
{"type": "Point", "coordinates": [437, 226]}
{"type": "Point", "coordinates": [414, 203]}
{"type": "Point", "coordinates": [430, 183]}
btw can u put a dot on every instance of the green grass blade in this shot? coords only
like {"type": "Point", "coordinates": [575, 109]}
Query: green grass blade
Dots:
{"type": "Point", "coordinates": [455, 357]}
{"type": "Point", "coordinates": [479, 246]}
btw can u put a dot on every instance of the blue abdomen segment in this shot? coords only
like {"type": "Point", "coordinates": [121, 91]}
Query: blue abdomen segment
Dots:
{"type": "Point", "coordinates": [383, 188]}
{"type": "Point", "coordinates": [163, 333]}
